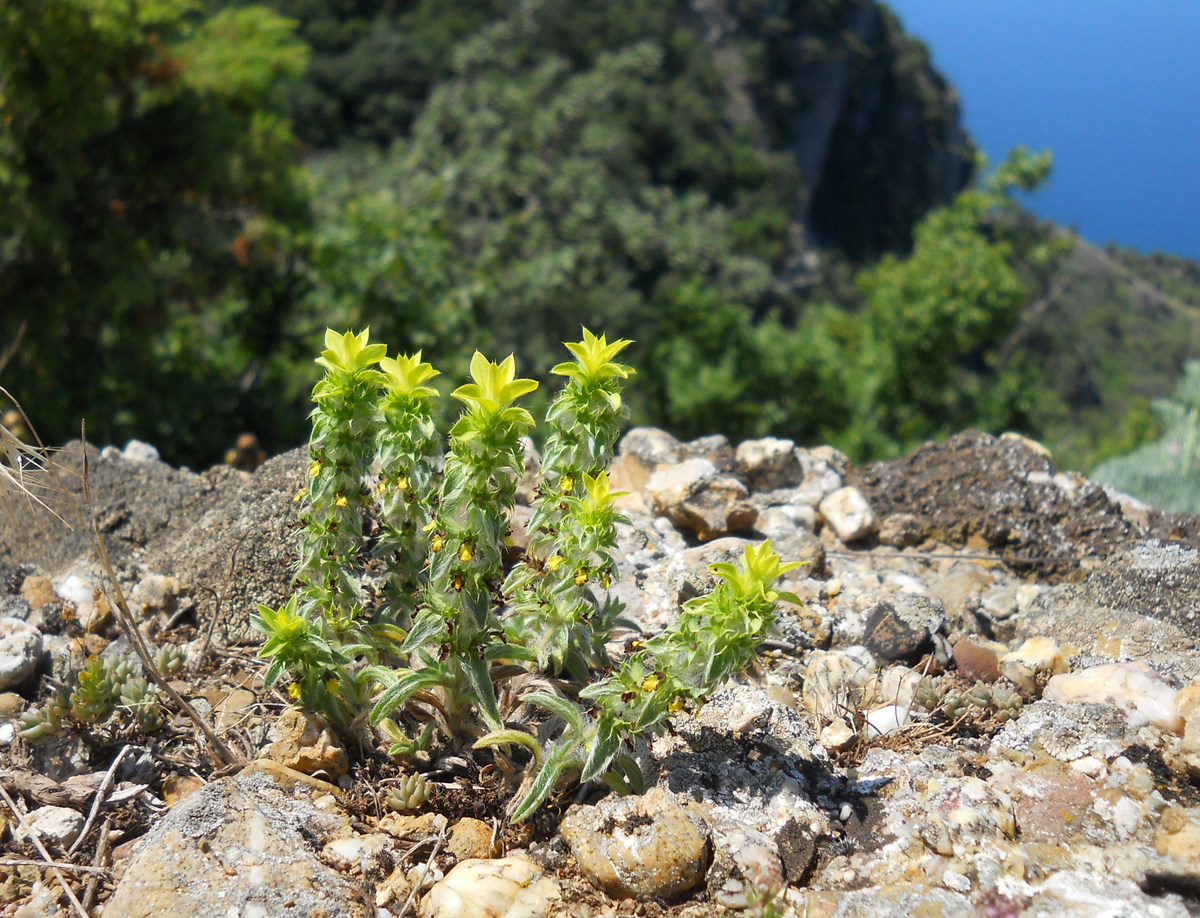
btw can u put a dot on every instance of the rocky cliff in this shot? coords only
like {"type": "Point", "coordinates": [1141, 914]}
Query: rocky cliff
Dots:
{"type": "Point", "coordinates": [873, 128]}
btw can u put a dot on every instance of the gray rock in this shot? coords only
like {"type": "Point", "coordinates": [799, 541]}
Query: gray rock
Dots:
{"type": "Point", "coordinates": [900, 530]}
{"type": "Point", "coordinates": [900, 629]}
{"type": "Point", "coordinates": [839, 681]}
{"type": "Point", "coordinates": [848, 513]}
{"type": "Point", "coordinates": [244, 845]}
{"type": "Point", "coordinates": [769, 463]}
{"type": "Point", "coordinates": [643, 847]}
{"type": "Point", "coordinates": [230, 531]}
{"type": "Point", "coordinates": [641, 451]}
{"type": "Point", "coordinates": [716, 448]}
{"type": "Point", "coordinates": [654, 594]}
{"type": "Point", "coordinates": [20, 651]}
{"type": "Point", "coordinates": [782, 522]}
{"type": "Point", "coordinates": [699, 500]}
{"type": "Point", "coordinates": [747, 869]}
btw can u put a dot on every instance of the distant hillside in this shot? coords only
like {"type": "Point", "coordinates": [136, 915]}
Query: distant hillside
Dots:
{"type": "Point", "coordinates": [871, 128]}
{"type": "Point", "coordinates": [1106, 331]}
{"type": "Point", "coordinates": [775, 199]}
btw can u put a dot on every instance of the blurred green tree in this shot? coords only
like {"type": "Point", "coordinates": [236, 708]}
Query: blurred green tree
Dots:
{"type": "Point", "coordinates": [527, 202]}
{"type": "Point", "coordinates": [149, 200]}
{"type": "Point", "coordinates": [917, 361]}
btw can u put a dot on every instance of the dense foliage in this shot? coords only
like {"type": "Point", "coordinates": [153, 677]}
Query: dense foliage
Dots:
{"type": "Point", "coordinates": [148, 196]}
{"type": "Point", "coordinates": [503, 173]}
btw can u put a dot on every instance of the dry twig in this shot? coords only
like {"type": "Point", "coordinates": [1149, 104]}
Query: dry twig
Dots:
{"type": "Point", "coordinates": [93, 883]}
{"type": "Point", "coordinates": [101, 793]}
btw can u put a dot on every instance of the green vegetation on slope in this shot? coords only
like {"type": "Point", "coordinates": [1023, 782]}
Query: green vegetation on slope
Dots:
{"type": "Point", "coordinates": [503, 173]}
{"type": "Point", "coordinates": [1165, 473]}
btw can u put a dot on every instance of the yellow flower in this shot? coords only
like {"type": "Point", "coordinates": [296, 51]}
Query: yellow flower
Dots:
{"type": "Point", "coordinates": [676, 706]}
{"type": "Point", "coordinates": [401, 483]}
{"type": "Point", "coordinates": [594, 363]}
{"type": "Point", "coordinates": [341, 501]}
{"type": "Point", "coordinates": [294, 691]}
{"type": "Point", "coordinates": [436, 543]}
{"type": "Point", "coordinates": [465, 552]}
{"type": "Point", "coordinates": [405, 375]}
{"type": "Point", "coordinates": [567, 485]}
{"type": "Point", "coordinates": [314, 469]}
{"type": "Point", "coordinates": [581, 577]}
{"type": "Point", "coordinates": [554, 562]}
{"type": "Point", "coordinates": [332, 684]}
{"type": "Point", "coordinates": [458, 583]}
{"type": "Point", "coordinates": [301, 494]}
{"type": "Point", "coordinates": [349, 353]}
{"type": "Point", "coordinates": [495, 385]}
{"type": "Point", "coordinates": [650, 683]}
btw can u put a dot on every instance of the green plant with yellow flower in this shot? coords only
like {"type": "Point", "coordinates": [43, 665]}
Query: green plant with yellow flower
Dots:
{"type": "Point", "coordinates": [554, 609]}
{"type": "Point", "coordinates": [409, 453]}
{"type": "Point", "coordinates": [448, 643]}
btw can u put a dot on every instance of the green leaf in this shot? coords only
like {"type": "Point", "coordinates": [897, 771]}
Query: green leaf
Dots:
{"type": "Point", "coordinates": [427, 626]}
{"type": "Point", "coordinates": [484, 692]}
{"type": "Point", "coordinates": [560, 706]}
{"type": "Point", "coordinates": [404, 688]}
{"type": "Point", "coordinates": [505, 737]}
{"type": "Point", "coordinates": [633, 772]}
{"type": "Point", "coordinates": [543, 784]}
{"type": "Point", "coordinates": [603, 747]}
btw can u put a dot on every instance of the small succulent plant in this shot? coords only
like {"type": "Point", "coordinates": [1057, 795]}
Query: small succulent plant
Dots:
{"type": "Point", "coordinates": [140, 698]}
{"type": "Point", "coordinates": [410, 793]}
{"type": "Point", "coordinates": [93, 697]}
{"type": "Point", "coordinates": [170, 660]}
{"type": "Point", "coordinates": [995, 701]}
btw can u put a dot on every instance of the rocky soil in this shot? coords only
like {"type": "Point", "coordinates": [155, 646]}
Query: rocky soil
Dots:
{"type": "Point", "coordinates": [988, 704]}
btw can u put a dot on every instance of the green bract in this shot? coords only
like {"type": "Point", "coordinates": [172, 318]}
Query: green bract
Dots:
{"type": "Point", "coordinates": [409, 452]}
{"type": "Point", "coordinates": [450, 643]}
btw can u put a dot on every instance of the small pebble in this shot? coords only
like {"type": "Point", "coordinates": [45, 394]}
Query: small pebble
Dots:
{"type": "Point", "coordinates": [1032, 663]}
{"type": "Point", "coordinates": [975, 662]}
{"type": "Point", "coordinates": [503, 888]}
{"type": "Point", "coordinates": [886, 719]}
{"type": "Point", "coordinates": [848, 513]}
{"type": "Point", "coordinates": [58, 825]}
{"type": "Point", "coordinates": [20, 651]}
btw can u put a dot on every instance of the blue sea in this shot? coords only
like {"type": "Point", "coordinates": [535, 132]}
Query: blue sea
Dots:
{"type": "Point", "coordinates": [1111, 88]}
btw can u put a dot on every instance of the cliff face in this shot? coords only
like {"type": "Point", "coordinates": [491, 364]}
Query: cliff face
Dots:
{"type": "Point", "coordinates": [874, 129]}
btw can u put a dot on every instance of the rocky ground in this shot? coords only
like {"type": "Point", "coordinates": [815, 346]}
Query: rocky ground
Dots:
{"type": "Point", "coordinates": [989, 704]}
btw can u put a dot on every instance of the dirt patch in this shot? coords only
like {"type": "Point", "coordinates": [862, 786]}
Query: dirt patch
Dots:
{"type": "Point", "coordinates": [1001, 495]}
